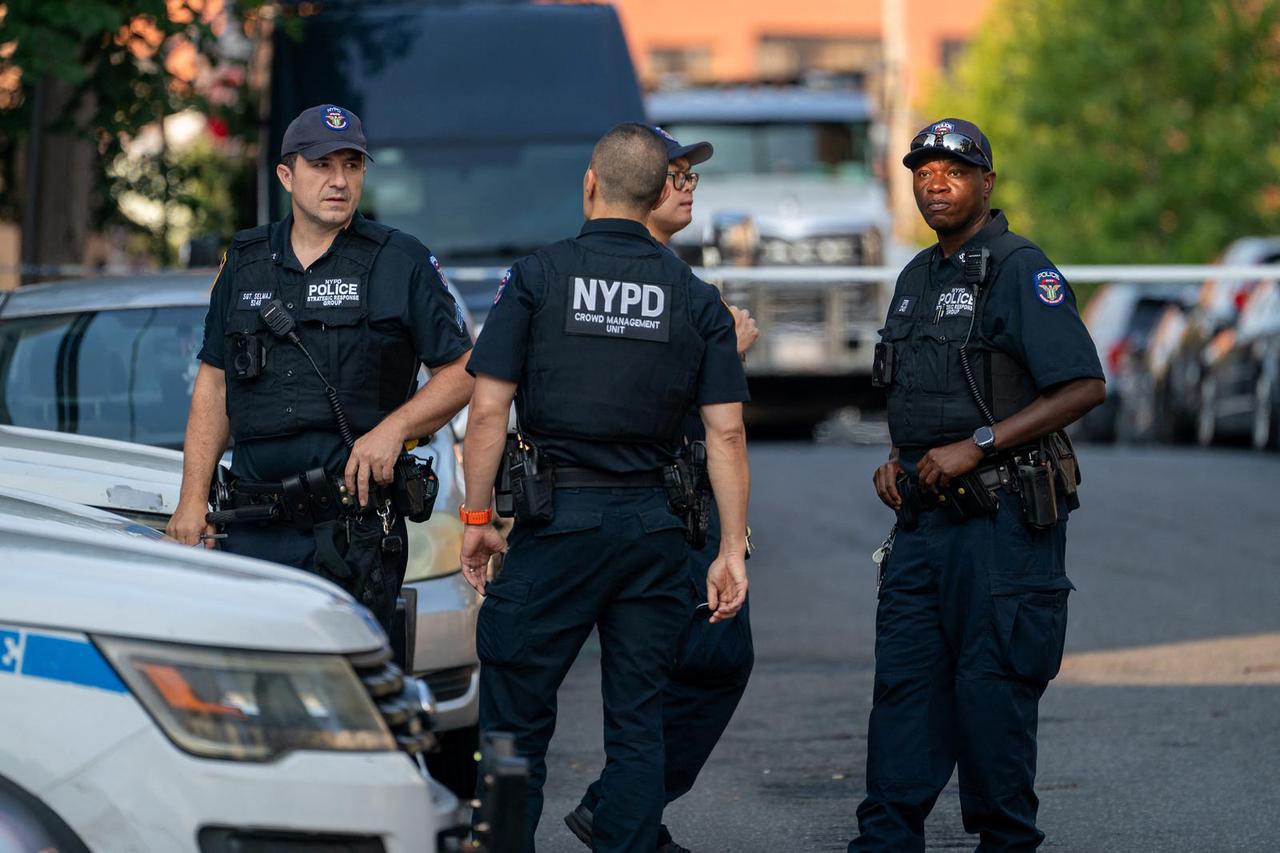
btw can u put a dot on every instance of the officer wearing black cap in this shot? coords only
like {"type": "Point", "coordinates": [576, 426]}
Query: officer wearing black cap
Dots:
{"type": "Point", "coordinates": [712, 661]}
{"type": "Point", "coordinates": [604, 341]}
{"type": "Point", "coordinates": [368, 305]}
{"type": "Point", "coordinates": [984, 360]}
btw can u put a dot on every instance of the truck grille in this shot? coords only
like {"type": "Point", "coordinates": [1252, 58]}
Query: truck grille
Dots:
{"type": "Point", "coordinates": [837, 250]}
{"type": "Point", "coordinates": [449, 684]}
{"type": "Point", "coordinates": [399, 709]}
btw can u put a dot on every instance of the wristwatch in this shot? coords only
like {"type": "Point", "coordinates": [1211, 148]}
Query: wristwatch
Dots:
{"type": "Point", "coordinates": [985, 438]}
{"type": "Point", "coordinates": [477, 517]}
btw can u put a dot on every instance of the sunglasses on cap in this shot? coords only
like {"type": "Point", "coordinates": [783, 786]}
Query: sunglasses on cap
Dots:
{"type": "Point", "coordinates": [956, 143]}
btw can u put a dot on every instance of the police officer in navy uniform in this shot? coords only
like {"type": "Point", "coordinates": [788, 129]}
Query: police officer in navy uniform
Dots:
{"type": "Point", "coordinates": [370, 304]}
{"type": "Point", "coordinates": [604, 341]}
{"type": "Point", "coordinates": [713, 661]}
{"type": "Point", "coordinates": [972, 613]}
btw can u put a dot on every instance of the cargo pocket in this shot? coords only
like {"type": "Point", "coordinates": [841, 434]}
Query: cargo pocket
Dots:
{"type": "Point", "coordinates": [1030, 620]}
{"type": "Point", "coordinates": [501, 633]}
{"type": "Point", "coordinates": [570, 521]}
{"type": "Point", "coordinates": [654, 520]}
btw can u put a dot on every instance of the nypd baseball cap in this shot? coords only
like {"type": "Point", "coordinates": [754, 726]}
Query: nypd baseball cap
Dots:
{"type": "Point", "coordinates": [950, 137]}
{"type": "Point", "coordinates": [698, 152]}
{"type": "Point", "coordinates": [322, 130]}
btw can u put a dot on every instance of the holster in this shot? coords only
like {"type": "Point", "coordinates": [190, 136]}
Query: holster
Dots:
{"type": "Point", "coordinates": [414, 488]}
{"type": "Point", "coordinates": [688, 489]}
{"type": "Point", "coordinates": [532, 483]}
{"type": "Point", "coordinates": [349, 553]}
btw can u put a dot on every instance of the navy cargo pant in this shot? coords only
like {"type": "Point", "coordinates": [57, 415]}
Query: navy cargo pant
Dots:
{"type": "Point", "coordinates": [712, 665]}
{"type": "Point", "coordinates": [281, 543]}
{"type": "Point", "coordinates": [612, 559]}
{"type": "Point", "coordinates": [969, 631]}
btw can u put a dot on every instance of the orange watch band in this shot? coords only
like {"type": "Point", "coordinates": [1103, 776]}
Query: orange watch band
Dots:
{"type": "Point", "coordinates": [478, 517]}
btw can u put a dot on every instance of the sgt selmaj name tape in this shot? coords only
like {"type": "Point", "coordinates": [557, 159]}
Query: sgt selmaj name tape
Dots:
{"type": "Point", "coordinates": [253, 299]}
{"type": "Point", "coordinates": [334, 293]}
{"type": "Point", "coordinates": [619, 309]}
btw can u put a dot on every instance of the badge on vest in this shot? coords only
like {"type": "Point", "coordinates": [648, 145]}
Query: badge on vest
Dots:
{"type": "Point", "coordinates": [904, 305]}
{"type": "Point", "coordinates": [334, 293]}
{"type": "Point", "coordinates": [618, 309]}
{"type": "Point", "coordinates": [252, 300]}
{"type": "Point", "coordinates": [956, 302]}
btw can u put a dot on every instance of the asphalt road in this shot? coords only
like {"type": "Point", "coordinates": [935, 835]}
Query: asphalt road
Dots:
{"type": "Point", "coordinates": [1162, 733]}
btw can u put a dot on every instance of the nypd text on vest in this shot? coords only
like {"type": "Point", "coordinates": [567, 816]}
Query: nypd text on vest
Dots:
{"type": "Point", "coordinates": [618, 309]}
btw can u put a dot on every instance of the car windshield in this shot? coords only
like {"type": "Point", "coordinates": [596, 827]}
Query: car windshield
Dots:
{"type": "Point", "coordinates": [822, 148]}
{"type": "Point", "coordinates": [481, 198]}
{"type": "Point", "coordinates": [123, 374]}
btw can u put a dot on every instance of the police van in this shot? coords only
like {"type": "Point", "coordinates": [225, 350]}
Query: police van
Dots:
{"type": "Point", "coordinates": [161, 698]}
{"type": "Point", "coordinates": [481, 118]}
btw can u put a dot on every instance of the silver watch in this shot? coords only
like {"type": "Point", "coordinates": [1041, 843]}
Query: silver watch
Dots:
{"type": "Point", "coordinates": [985, 438]}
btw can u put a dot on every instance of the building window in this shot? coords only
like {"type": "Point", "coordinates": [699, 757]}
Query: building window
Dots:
{"type": "Point", "coordinates": [783, 57]}
{"type": "Point", "coordinates": [679, 63]}
{"type": "Point", "coordinates": [952, 52]}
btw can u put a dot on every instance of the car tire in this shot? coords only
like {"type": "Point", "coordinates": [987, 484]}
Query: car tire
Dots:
{"type": "Point", "coordinates": [32, 825]}
{"type": "Point", "coordinates": [454, 765]}
{"type": "Point", "coordinates": [1207, 417]}
{"type": "Point", "coordinates": [1265, 434]}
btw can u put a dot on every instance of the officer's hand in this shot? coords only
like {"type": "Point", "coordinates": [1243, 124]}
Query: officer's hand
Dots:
{"type": "Point", "coordinates": [726, 586]}
{"type": "Point", "coordinates": [886, 481]}
{"type": "Point", "coordinates": [745, 327]}
{"type": "Point", "coordinates": [942, 464]}
{"type": "Point", "coordinates": [479, 543]}
{"type": "Point", "coordinates": [187, 524]}
{"type": "Point", "coordinates": [373, 457]}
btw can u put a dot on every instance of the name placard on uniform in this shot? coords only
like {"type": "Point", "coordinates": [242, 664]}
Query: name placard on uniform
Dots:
{"type": "Point", "coordinates": [333, 293]}
{"type": "Point", "coordinates": [253, 299]}
{"type": "Point", "coordinates": [618, 309]}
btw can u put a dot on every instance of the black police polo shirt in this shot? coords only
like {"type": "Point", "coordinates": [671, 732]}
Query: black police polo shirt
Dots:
{"type": "Point", "coordinates": [1030, 310]}
{"type": "Point", "coordinates": [408, 291]}
{"type": "Point", "coordinates": [501, 347]}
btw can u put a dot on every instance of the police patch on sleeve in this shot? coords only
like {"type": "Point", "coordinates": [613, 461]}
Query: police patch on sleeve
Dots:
{"type": "Point", "coordinates": [1050, 287]}
{"type": "Point", "coordinates": [618, 309]}
{"type": "Point", "coordinates": [252, 300]}
{"type": "Point", "coordinates": [334, 293]}
{"type": "Point", "coordinates": [444, 282]}
{"type": "Point", "coordinates": [502, 285]}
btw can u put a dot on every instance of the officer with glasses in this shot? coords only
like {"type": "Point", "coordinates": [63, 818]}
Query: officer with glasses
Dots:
{"type": "Point", "coordinates": [713, 660]}
{"type": "Point", "coordinates": [984, 360]}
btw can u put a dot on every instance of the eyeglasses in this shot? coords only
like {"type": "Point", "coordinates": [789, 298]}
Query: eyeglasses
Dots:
{"type": "Point", "coordinates": [957, 143]}
{"type": "Point", "coordinates": [679, 179]}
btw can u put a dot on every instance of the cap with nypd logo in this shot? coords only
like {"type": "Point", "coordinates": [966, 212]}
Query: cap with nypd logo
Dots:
{"type": "Point", "coordinates": [322, 130]}
{"type": "Point", "coordinates": [698, 152]}
{"type": "Point", "coordinates": [950, 137]}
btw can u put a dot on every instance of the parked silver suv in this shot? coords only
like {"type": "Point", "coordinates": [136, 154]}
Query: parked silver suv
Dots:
{"type": "Point", "coordinates": [96, 379]}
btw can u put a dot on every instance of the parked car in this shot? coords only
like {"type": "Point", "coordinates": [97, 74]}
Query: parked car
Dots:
{"type": "Point", "coordinates": [154, 697]}
{"type": "Point", "coordinates": [1216, 309]}
{"type": "Point", "coordinates": [97, 377]}
{"type": "Point", "coordinates": [481, 117]}
{"type": "Point", "coordinates": [1121, 318]}
{"type": "Point", "coordinates": [1240, 391]}
{"type": "Point", "coordinates": [791, 184]}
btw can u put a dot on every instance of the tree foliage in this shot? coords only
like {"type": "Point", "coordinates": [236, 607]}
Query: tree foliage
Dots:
{"type": "Point", "coordinates": [1126, 130]}
{"type": "Point", "coordinates": [121, 65]}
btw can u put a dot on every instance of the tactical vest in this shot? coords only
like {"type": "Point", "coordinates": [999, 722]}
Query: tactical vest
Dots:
{"type": "Point", "coordinates": [929, 400]}
{"type": "Point", "coordinates": [331, 307]}
{"type": "Point", "coordinates": [613, 352]}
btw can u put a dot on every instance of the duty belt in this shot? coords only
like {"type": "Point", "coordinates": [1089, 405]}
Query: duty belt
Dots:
{"type": "Point", "coordinates": [592, 478]}
{"type": "Point", "coordinates": [303, 500]}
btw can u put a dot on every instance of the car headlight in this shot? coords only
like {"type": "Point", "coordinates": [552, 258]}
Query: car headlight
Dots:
{"type": "Point", "coordinates": [249, 706]}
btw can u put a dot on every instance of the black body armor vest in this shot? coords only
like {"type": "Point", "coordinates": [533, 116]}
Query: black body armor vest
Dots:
{"type": "Point", "coordinates": [613, 352]}
{"type": "Point", "coordinates": [331, 307]}
{"type": "Point", "coordinates": [929, 400]}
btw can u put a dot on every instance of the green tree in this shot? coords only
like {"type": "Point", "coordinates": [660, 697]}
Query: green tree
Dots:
{"type": "Point", "coordinates": [1128, 130]}
{"type": "Point", "coordinates": [101, 71]}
